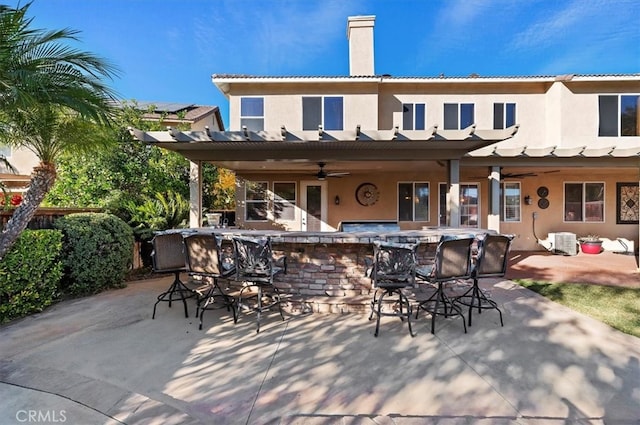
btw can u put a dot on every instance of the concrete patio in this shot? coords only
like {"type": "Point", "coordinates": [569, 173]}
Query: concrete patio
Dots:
{"type": "Point", "coordinates": [102, 360]}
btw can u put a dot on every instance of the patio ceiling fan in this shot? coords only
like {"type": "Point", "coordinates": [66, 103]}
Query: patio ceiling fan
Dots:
{"type": "Point", "coordinates": [322, 174]}
{"type": "Point", "coordinates": [517, 175]}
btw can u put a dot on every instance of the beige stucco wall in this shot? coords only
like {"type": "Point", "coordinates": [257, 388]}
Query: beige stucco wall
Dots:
{"type": "Point", "coordinates": [560, 113]}
{"type": "Point", "coordinates": [549, 220]}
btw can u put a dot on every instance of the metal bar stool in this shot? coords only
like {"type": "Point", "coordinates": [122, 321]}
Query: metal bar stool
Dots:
{"type": "Point", "coordinates": [491, 261]}
{"type": "Point", "coordinates": [394, 268]}
{"type": "Point", "coordinates": [168, 257]}
{"type": "Point", "coordinates": [452, 262]}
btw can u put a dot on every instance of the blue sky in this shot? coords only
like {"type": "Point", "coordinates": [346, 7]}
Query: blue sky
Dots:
{"type": "Point", "coordinates": [168, 49]}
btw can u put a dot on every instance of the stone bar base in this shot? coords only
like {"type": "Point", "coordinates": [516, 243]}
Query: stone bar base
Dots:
{"type": "Point", "coordinates": [326, 272]}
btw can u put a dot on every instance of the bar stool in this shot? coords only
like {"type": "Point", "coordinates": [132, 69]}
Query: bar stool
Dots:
{"type": "Point", "coordinates": [452, 262]}
{"type": "Point", "coordinates": [491, 261]}
{"type": "Point", "coordinates": [394, 268]}
{"type": "Point", "coordinates": [167, 257]}
{"type": "Point", "coordinates": [203, 259]}
{"type": "Point", "coordinates": [256, 267]}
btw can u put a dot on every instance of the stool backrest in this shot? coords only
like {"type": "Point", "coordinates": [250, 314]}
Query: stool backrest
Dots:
{"type": "Point", "coordinates": [493, 255]}
{"type": "Point", "coordinates": [202, 254]}
{"type": "Point", "coordinates": [394, 263]}
{"type": "Point", "coordinates": [253, 259]}
{"type": "Point", "coordinates": [453, 258]}
{"type": "Point", "coordinates": [167, 254]}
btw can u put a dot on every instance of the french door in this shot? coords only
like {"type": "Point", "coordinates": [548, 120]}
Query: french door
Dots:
{"type": "Point", "coordinates": [313, 203]}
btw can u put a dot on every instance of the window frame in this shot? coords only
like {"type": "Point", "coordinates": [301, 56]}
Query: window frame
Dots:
{"type": "Point", "coordinates": [248, 202]}
{"type": "Point", "coordinates": [277, 200]}
{"type": "Point", "coordinates": [476, 205]}
{"type": "Point", "coordinates": [604, 116]}
{"type": "Point", "coordinates": [442, 205]}
{"type": "Point", "coordinates": [414, 196]}
{"type": "Point", "coordinates": [501, 122]}
{"type": "Point", "coordinates": [323, 113]}
{"type": "Point", "coordinates": [414, 115]}
{"type": "Point", "coordinates": [447, 109]}
{"type": "Point", "coordinates": [248, 118]}
{"type": "Point", "coordinates": [584, 201]}
{"type": "Point", "coordinates": [504, 204]}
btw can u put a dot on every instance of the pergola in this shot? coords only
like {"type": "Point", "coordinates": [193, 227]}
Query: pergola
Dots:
{"type": "Point", "coordinates": [300, 151]}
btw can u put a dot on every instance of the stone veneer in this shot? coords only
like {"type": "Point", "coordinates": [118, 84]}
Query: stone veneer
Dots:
{"type": "Point", "coordinates": [326, 271]}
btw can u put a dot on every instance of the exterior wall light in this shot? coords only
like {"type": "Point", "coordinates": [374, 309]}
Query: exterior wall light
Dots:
{"type": "Point", "coordinates": [528, 200]}
{"type": "Point", "coordinates": [337, 200]}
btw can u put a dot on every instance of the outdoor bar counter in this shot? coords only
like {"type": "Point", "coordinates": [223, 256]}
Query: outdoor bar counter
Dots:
{"type": "Point", "coordinates": [326, 270]}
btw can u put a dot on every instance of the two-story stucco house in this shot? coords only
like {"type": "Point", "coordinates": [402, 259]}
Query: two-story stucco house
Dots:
{"type": "Point", "coordinates": [528, 155]}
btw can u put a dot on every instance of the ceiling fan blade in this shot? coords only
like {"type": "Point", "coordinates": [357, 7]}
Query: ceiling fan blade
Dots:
{"type": "Point", "coordinates": [338, 173]}
{"type": "Point", "coordinates": [517, 175]}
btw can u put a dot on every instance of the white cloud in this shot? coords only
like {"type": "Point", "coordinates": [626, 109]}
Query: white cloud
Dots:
{"type": "Point", "coordinates": [270, 37]}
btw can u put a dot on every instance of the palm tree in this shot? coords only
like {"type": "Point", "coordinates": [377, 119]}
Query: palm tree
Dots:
{"type": "Point", "coordinates": [43, 79]}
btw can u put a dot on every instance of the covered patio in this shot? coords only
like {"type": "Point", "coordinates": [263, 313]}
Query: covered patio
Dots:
{"type": "Point", "coordinates": [358, 151]}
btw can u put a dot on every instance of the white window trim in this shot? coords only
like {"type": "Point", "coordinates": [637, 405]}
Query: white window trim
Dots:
{"type": "Point", "coordinates": [478, 205]}
{"type": "Point", "coordinates": [414, 115]}
{"type": "Point", "coordinates": [504, 202]}
{"type": "Point", "coordinates": [255, 117]}
{"type": "Point", "coordinates": [459, 105]}
{"type": "Point", "coordinates": [322, 108]}
{"type": "Point", "coordinates": [272, 197]}
{"type": "Point", "coordinates": [504, 113]}
{"type": "Point", "coordinates": [413, 204]}
{"type": "Point", "coordinates": [247, 202]}
{"type": "Point", "coordinates": [584, 209]}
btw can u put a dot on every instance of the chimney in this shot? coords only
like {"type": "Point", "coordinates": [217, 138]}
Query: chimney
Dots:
{"type": "Point", "coordinates": [360, 35]}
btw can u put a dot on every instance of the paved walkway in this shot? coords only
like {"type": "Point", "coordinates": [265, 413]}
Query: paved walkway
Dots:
{"type": "Point", "coordinates": [102, 360]}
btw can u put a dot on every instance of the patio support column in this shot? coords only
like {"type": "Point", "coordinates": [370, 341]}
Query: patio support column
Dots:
{"type": "Point", "coordinates": [195, 194]}
{"type": "Point", "coordinates": [493, 218]}
{"type": "Point", "coordinates": [453, 193]}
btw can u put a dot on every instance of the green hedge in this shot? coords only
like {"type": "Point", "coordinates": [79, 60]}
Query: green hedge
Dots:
{"type": "Point", "coordinates": [30, 274]}
{"type": "Point", "coordinates": [97, 252]}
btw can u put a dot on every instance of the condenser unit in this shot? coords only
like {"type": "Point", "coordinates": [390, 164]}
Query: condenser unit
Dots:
{"type": "Point", "coordinates": [565, 243]}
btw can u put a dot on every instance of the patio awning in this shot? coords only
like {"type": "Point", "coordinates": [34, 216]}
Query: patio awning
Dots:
{"type": "Point", "coordinates": [357, 144]}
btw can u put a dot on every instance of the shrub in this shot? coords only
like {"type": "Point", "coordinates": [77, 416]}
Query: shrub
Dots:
{"type": "Point", "coordinates": [30, 274]}
{"type": "Point", "coordinates": [97, 252]}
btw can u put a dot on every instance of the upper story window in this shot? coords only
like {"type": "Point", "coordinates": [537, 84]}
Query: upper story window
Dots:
{"type": "Point", "coordinates": [414, 116]}
{"type": "Point", "coordinates": [584, 202]}
{"type": "Point", "coordinates": [322, 110]}
{"type": "Point", "coordinates": [619, 115]}
{"type": "Point", "coordinates": [256, 201]}
{"type": "Point", "coordinates": [510, 201]}
{"type": "Point", "coordinates": [413, 201]}
{"type": "Point", "coordinates": [284, 201]}
{"type": "Point", "coordinates": [458, 116]}
{"type": "Point", "coordinates": [504, 115]}
{"type": "Point", "coordinates": [252, 113]}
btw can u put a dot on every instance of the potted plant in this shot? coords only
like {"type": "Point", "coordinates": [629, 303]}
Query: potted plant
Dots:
{"type": "Point", "coordinates": [590, 244]}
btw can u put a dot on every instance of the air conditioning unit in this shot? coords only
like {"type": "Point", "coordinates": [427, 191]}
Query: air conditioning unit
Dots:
{"type": "Point", "coordinates": [565, 243]}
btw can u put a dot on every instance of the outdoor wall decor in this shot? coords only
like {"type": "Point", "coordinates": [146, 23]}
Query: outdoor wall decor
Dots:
{"type": "Point", "coordinates": [627, 203]}
{"type": "Point", "coordinates": [543, 202]}
{"type": "Point", "coordinates": [367, 194]}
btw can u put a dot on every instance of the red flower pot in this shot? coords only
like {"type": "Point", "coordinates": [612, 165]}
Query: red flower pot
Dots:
{"type": "Point", "coordinates": [591, 247]}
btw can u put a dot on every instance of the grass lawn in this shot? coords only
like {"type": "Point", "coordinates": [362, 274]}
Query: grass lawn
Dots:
{"type": "Point", "coordinates": [615, 306]}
